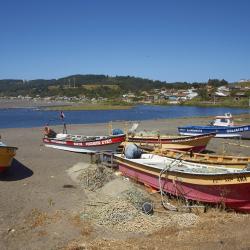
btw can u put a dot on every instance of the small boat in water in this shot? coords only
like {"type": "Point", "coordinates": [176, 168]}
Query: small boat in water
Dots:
{"type": "Point", "coordinates": [197, 143]}
{"type": "Point", "coordinates": [191, 181]}
{"type": "Point", "coordinates": [7, 154]}
{"type": "Point", "coordinates": [224, 160]}
{"type": "Point", "coordinates": [82, 143]}
{"type": "Point", "coordinates": [223, 126]}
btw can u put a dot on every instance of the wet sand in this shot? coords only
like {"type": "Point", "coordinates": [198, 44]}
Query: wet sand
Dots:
{"type": "Point", "coordinates": [40, 202]}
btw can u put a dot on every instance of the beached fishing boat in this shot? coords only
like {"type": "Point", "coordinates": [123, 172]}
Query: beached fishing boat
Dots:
{"type": "Point", "coordinates": [223, 126]}
{"type": "Point", "coordinates": [197, 143]}
{"type": "Point", "coordinates": [224, 160]}
{"type": "Point", "coordinates": [150, 148]}
{"type": "Point", "coordinates": [191, 181]}
{"type": "Point", "coordinates": [7, 154]}
{"type": "Point", "coordinates": [82, 143]}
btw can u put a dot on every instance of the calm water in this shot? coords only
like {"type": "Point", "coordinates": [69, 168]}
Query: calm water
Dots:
{"type": "Point", "coordinates": [24, 118]}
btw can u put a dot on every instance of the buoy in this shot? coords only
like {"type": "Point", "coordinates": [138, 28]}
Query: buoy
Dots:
{"type": "Point", "coordinates": [117, 131]}
{"type": "Point", "coordinates": [147, 208]}
{"type": "Point", "coordinates": [132, 151]}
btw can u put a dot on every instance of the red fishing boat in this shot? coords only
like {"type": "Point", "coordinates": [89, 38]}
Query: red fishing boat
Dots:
{"type": "Point", "coordinates": [82, 143]}
{"type": "Point", "coordinates": [192, 181]}
{"type": "Point", "coordinates": [197, 143]}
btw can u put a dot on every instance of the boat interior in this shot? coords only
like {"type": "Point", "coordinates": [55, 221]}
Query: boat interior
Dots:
{"type": "Point", "coordinates": [177, 165]}
{"type": "Point", "coordinates": [79, 138]}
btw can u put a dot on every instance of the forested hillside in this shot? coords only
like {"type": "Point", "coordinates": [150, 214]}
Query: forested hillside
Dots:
{"type": "Point", "coordinates": [76, 85]}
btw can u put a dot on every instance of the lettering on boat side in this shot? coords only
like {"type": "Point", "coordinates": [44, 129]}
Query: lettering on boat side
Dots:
{"type": "Point", "coordinates": [228, 179]}
{"type": "Point", "coordinates": [194, 130]}
{"type": "Point", "coordinates": [107, 141]}
{"type": "Point", "coordinates": [94, 143]}
{"type": "Point", "coordinates": [241, 178]}
{"type": "Point", "coordinates": [237, 129]}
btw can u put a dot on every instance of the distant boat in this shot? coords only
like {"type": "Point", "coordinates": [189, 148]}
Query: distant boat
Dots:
{"type": "Point", "coordinates": [196, 143]}
{"type": "Point", "coordinates": [82, 143]}
{"type": "Point", "coordinates": [223, 126]}
{"type": "Point", "coordinates": [7, 154]}
{"type": "Point", "coordinates": [191, 181]}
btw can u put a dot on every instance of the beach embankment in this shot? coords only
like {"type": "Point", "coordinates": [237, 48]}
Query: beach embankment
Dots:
{"type": "Point", "coordinates": [45, 203]}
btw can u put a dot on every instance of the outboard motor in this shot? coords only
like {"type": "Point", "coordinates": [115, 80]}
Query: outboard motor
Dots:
{"type": "Point", "coordinates": [132, 151]}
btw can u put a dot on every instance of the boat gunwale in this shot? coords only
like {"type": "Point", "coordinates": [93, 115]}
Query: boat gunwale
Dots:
{"type": "Point", "coordinates": [83, 141]}
{"type": "Point", "coordinates": [182, 138]}
{"type": "Point", "coordinates": [205, 158]}
{"type": "Point", "coordinates": [193, 174]}
{"type": "Point", "coordinates": [9, 147]}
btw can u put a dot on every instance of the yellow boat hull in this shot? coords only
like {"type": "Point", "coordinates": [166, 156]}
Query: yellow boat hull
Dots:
{"type": "Point", "coordinates": [6, 156]}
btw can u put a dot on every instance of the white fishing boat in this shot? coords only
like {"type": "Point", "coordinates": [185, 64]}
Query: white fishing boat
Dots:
{"type": "Point", "coordinates": [222, 126]}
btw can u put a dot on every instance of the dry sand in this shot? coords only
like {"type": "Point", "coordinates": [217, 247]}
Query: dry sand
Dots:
{"type": "Point", "coordinates": [41, 204]}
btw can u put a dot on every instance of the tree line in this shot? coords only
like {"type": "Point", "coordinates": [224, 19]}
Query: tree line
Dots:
{"type": "Point", "coordinates": [77, 85]}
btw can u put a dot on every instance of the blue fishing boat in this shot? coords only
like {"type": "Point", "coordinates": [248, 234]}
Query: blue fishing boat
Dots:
{"type": "Point", "coordinates": [223, 126]}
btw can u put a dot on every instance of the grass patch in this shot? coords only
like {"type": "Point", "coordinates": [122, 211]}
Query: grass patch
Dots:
{"type": "Point", "coordinates": [91, 107]}
{"type": "Point", "coordinates": [95, 86]}
{"type": "Point", "coordinates": [226, 102]}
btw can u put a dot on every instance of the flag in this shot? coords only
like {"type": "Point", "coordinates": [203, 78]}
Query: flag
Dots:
{"type": "Point", "coordinates": [62, 116]}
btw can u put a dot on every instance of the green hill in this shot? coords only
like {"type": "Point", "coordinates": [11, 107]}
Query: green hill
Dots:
{"type": "Point", "coordinates": [77, 85]}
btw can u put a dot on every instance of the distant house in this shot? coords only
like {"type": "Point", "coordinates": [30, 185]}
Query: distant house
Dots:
{"type": "Point", "coordinates": [220, 94]}
{"type": "Point", "coordinates": [182, 96]}
{"type": "Point", "coordinates": [173, 98]}
{"type": "Point", "coordinates": [237, 96]}
{"type": "Point", "coordinates": [149, 99]}
{"type": "Point", "coordinates": [244, 80]}
{"type": "Point", "coordinates": [223, 89]}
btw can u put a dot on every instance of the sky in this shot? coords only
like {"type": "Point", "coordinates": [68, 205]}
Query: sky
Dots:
{"type": "Point", "coordinates": [167, 40]}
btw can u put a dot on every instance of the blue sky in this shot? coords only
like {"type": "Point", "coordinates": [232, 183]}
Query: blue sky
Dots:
{"type": "Point", "coordinates": [169, 40]}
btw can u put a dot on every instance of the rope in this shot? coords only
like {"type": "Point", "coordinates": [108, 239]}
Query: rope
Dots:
{"type": "Point", "coordinates": [167, 204]}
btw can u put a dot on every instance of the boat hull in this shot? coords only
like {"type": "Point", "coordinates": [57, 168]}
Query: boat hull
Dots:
{"type": "Point", "coordinates": [197, 142]}
{"type": "Point", "coordinates": [107, 144]}
{"type": "Point", "coordinates": [6, 157]}
{"type": "Point", "coordinates": [221, 132]}
{"type": "Point", "coordinates": [230, 190]}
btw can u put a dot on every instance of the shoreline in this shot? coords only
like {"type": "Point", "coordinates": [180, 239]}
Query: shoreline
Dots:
{"type": "Point", "coordinates": [238, 117]}
{"type": "Point", "coordinates": [67, 105]}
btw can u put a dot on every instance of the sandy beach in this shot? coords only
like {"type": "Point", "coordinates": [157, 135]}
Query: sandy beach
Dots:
{"type": "Point", "coordinates": [42, 203]}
